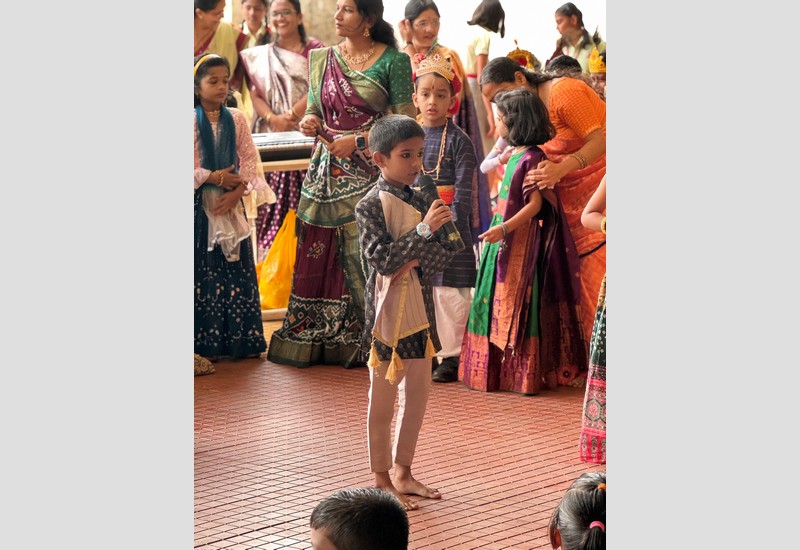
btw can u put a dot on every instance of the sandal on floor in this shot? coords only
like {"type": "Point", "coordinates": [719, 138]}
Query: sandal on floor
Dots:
{"type": "Point", "coordinates": [202, 366]}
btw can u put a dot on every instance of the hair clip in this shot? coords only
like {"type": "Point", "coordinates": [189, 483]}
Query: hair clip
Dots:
{"type": "Point", "coordinates": [598, 524]}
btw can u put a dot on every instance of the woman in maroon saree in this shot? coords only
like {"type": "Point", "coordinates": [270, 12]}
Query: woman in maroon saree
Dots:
{"type": "Point", "coordinates": [350, 86]}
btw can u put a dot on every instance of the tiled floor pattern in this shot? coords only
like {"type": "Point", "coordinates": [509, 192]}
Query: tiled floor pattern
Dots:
{"type": "Point", "coordinates": [271, 441]}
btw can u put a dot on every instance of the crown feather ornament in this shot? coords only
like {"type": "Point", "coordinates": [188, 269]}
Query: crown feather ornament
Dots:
{"type": "Point", "coordinates": [596, 63]}
{"type": "Point", "coordinates": [524, 58]}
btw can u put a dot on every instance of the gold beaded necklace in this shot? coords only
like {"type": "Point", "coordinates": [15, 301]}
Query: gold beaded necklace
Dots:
{"type": "Point", "coordinates": [213, 113]}
{"type": "Point", "coordinates": [441, 153]}
{"type": "Point", "coordinates": [359, 59]}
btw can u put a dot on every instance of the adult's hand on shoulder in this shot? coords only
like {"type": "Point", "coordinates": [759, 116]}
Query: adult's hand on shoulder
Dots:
{"type": "Point", "coordinates": [546, 175]}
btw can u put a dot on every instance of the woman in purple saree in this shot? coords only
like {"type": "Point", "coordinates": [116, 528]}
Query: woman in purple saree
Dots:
{"type": "Point", "coordinates": [351, 85]}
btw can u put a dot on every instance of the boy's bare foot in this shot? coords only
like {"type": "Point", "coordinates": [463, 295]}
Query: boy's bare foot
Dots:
{"type": "Point", "coordinates": [384, 483]}
{"type": "Point", "coordinates": [405, 483]}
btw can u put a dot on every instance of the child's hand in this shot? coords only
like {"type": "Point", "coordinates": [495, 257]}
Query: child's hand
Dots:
{"type": "Point", "coordinates": [230, 181]}
{"type": "Point", "coordinates": [493, 235]}
{"type": "Point", "coordinates": [506, 154]}
{"type": "Point", "coordinates": [438, 214]}
{"type": "Point", "coordinates": [398, 275]}
{"type": "Point", "coordinates": [227, 201]}
{"type": "Point", "coordinates": [309, 125]}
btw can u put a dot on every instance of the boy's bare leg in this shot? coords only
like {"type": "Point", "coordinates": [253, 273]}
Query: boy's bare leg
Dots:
{"type": "Point", "coordinates": [413, 393]}
{"type": "Point", "coordinates": [384, 482]}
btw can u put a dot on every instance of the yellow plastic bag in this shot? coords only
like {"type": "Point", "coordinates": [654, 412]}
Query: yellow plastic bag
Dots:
{"type": "Point", "coordinates": [275, 271]}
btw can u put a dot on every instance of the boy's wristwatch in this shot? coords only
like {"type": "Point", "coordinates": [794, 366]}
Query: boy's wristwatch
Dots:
{"type": "Point", "coordinates": [361, 142]}
{"type": "Point", "coordinates": [424, 230]}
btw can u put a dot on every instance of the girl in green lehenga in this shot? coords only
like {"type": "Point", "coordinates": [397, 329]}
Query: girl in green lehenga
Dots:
{"type": "Point", "coordinates": [524, 321]}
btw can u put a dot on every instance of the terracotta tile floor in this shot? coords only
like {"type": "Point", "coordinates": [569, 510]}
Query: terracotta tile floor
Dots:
{"type": "Point", "coordinates": [272, 440]}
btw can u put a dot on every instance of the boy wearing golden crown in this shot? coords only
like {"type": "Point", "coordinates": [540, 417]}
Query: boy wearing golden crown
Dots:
{"type": "Point", "coordinates": [449, 159]}
{"type": "Point", "coordinates": [597, 71]}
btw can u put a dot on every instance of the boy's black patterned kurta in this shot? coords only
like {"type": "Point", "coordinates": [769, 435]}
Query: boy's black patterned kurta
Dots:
{"type": "Point", "coordinates": [381, 254]}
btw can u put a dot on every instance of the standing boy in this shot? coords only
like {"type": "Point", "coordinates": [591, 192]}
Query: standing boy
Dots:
{"type": "Point", "coordinates": [401, 253]}
{"type": "Point", "coordinates": [449, 159]}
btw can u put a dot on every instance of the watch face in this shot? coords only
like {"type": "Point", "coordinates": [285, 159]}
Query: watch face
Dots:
{"type": "Point", "coordinates": [423, 229]}
{"type": "Point", "coordinates": [361, 142]}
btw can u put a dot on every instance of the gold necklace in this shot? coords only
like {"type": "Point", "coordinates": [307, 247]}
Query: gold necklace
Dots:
{"type": "Point", "coordinates": [359, 59]}
{"type": "Point", "coordinates": [517, 150]}
{"type": "Point", "coordinates": [441, 153]}
{"type": "Point", "coordinates": [213, 113]}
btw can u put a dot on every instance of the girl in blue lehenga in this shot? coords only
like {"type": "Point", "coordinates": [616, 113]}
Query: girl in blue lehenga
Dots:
{"type": "Point", "coordinates": [227, 307]}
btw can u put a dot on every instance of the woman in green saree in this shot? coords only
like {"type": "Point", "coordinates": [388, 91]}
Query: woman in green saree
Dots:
{"type": "Point", "coordinates": [351, 85]}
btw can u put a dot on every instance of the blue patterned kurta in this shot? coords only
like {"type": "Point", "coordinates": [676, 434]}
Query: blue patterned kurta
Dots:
{"type": "Point", "coordinates": [456, 169]}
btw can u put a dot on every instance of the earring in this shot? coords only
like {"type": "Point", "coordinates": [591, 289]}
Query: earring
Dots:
{"type": "Point", "coordinates": [366, 31]}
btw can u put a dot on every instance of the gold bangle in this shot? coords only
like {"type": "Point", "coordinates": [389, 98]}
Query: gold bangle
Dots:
{"type": "Point", "coordinates": [603, 225]}
{"type": "Point", "coordinates": [221, 177]}
{"type": "Point", "coordinates": [582, 161]}
{"type": "Point", "coordinates": [268, 118]}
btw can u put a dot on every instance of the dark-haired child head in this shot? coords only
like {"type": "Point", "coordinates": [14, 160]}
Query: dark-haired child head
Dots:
{"type": "Point", "coordinates": [522, 118]}
{"type": "Point", "coordinates": [397, 142]}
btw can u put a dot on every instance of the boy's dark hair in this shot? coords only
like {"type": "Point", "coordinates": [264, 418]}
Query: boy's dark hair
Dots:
{"type": "Point", "coordinates": [564, 65]}
{"type": "Point", "coordinates": [365, 518]}
{"type": "Point", "coordinates": [525, 116]}
{"type": "Point", "coordinates": [390, 130]}
{"type": "Point", "coordinates": [213, 61]}
{"type": "Point", "coordinates": [580, 517]}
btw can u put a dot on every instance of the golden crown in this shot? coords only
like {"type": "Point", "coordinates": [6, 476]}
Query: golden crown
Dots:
{"type": "Point", "coordinates": [596, 63]}
{"type": "Point", "coordinates": [435, 63]}
{"type": "Point", "coordinates": [524, 58]}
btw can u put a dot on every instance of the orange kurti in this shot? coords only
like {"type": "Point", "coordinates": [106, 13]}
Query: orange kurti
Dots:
{"type": "Point", "coordinates": [576, 111]}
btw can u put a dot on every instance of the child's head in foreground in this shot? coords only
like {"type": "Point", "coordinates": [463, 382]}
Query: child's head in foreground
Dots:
{"type": "Point", "coordinates": [397, 143]}
{"type": "Point", "coordinates": [364, 518]}
{"type": "Point", "coordinates": [579, 520]}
